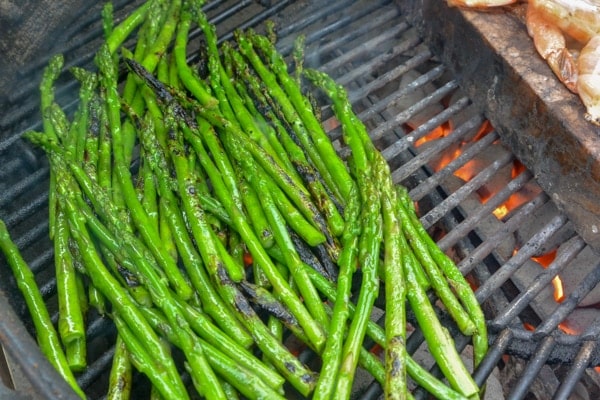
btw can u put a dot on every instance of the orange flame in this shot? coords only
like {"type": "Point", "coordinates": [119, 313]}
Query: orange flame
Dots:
{"type": "Point", "coordinates": [467, 171]}
{"type": "Point", "coordinates": [448, 156]}
{"type": "Point", "coordinates": [559, 293]}
{"type": "Point", "coordinates": [436, 133]}
{"type": "Point", "coordinates": [566, 328]}
{"type": "Point", "coordinates": [528, 326]}
{"type": "Point", "coordinates": [501, 211]}
{"type": "Point", "coordinates": [545, 260]}
{"type": "Point", "coordinates": [484, 129]}
{"type": "Point", "coordinates": [516, 199]}
{"type": "Point", "coordinates": [471, 167]}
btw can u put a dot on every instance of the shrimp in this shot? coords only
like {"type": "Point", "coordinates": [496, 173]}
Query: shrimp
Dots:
{"type": "Point", "coordinates": [549, 22]}
{"type": "Point", "coordinates": [588, 83]}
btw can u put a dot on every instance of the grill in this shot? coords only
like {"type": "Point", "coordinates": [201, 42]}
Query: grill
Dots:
{"type": "Point", "coordinates": [409, 75]}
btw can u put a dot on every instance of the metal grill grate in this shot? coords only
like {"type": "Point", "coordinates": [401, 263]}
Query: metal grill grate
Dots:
{"type": "Point", "coordinates": [371, 50]}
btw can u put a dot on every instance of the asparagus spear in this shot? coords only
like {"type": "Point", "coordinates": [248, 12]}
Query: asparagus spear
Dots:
{"type": "Point", "coordinates": [120, 32]}
{"type": "Point", "coordinates": [213, 305]}
{"type": "Point", "coordinates": [119, 383]}
{"type": "Point", "coordinates": [419, 374]}
{"type": "Point", "coordinates": [233, 147]}
{"type": "Point", "coordinates": [70, 316]}
{"type": "Point", "coordinates": [288, 365]}
{"type": "Point", "coordinates": [230, 101]}
{"type": "Point", "coordinates": [453, 275]}
{"type": "Point", "coordinates": [244, 379]}
{"type": "Point", "coordinates": [305, 125]}
{"type": "Point", "coordinates": [321, 196]}
{"type": "Point", "coordinates": [395, 295]}
{"type": "Point", "coordinates": [312, 329]}
{"type": "Point", "coordinates": [47, 336]}
{"type": "Point", "coordinates": [123, 174]}
{"type": "Point", "coordinates": [51, 73]}
{"type": "Point", "coordinates": [332, 355]}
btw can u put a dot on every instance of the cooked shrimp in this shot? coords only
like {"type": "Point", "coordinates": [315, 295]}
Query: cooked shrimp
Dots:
{"type": "Point", "coordinates": [548, 21]}
{"type": "Point", "coordinates": [588, 83]}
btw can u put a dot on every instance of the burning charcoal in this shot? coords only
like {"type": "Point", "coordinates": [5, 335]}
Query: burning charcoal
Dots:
{"type": "Point", "coordinates": [482, 160]}
{"type": "Point", "coordinates": [573, 274]}
{"type": "Point", "coordinates": [544, 303]}
{"type": "Point", "coordinates": [536, 222]}
{"type": "Point", "coordinates": [489, 224]}
{"type": "Point", "coordinates": [579, 320]}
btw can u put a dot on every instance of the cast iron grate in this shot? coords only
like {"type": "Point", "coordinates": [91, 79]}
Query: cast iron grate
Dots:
{"type": "Point", "coordinates": [404, 95]}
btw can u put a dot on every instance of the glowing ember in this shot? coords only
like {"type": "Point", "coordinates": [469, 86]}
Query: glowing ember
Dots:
{"type": "Point", "coordinates": [528, 326]}
{"type": "Point", "coordinates": [545, 260]}
{"type": "Point", "coordinates": [472, 167]}
{"type": "Point", "coordinates": [501, 211]}
{"type": "Point", "coordinates": [516, 199]}
{"type": "Point", "coordinates": [566, 328]}
{"type": "Point", "coordinates": [484, 129]}
{"type": "Point", "coordinates": [559, 294]}
{"type": "Point", "coordinates": [468, 171]}
{"type": "Point", "coordinates": [436, 133]}
{"type": "Point", "coordinates": [449, 155]}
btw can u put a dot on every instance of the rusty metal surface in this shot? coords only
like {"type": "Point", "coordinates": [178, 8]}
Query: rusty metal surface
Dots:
{"type": "Point", "coordinates": [541, 121]}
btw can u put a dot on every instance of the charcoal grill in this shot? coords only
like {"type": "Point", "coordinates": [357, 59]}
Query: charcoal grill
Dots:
{"type": "Point", "coordinates": [463, 69]}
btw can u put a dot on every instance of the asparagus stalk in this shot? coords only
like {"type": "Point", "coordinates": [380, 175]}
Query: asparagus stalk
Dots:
{"type": "Point", "coordinates": [368, 259]}
{"type": "Point", "coordinates": [47, 336]}
{"type": "Point", "coordinates": [123, 174]}
{"type": "Point", "coordinates": [305, 125]}
{"type": "Point", "coordinates": [147, 363]}
{"type": "Point", "coordinates": [120, 32]}
{"type": "Point", "coordinates": [320, 195]}
{"type": "Point", "coordinates": [332, 355]}
{"type": "Point", "coordinates": [228, 346]}
{"type": "Point", "coordinates": [213, 305]}
{"type": "Point", "coordinates": [119, 382]}
{"type": "Point", "coordinates": [245, 380]}
{"type": "Point", "coordinates": [438, 339]}
{"type": "Point", "coordinates": [51, 73]}
{"type": "Point", "coordinates": [453, 275]}
{"type": "Point", "coordinates": [70, 316]}
{"type": "Point", "coordinates": [312, 329]}
{"type": "Point", "coordinates": [288, 365]}
{"type": "Point", "coordinates": [395, 295]}
{"type": "Point", "coordinates": [419, 374]}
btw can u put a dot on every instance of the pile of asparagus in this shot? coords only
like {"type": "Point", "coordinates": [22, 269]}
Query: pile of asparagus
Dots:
{"type": "Point", "coordinates": [203, 208]}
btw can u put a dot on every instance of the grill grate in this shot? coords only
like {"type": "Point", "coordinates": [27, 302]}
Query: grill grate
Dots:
{"type": "Point", "coordinates": [368, 47]}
